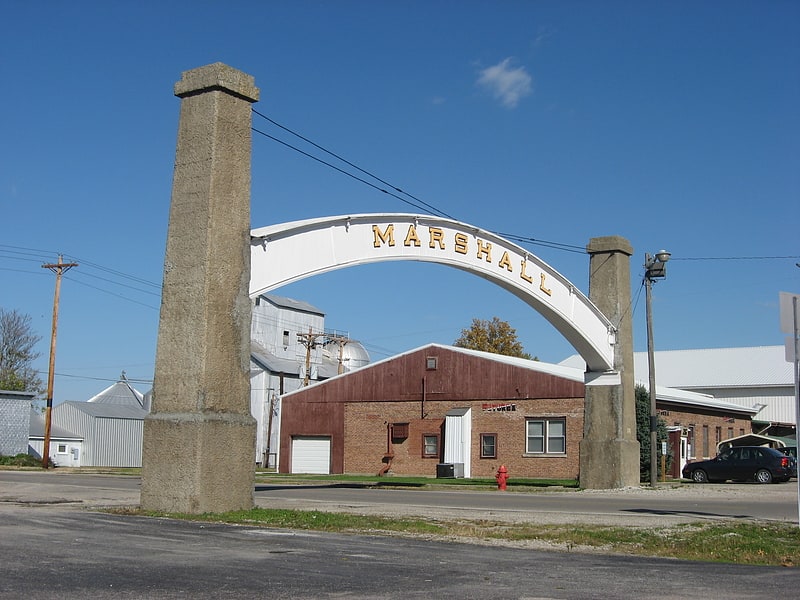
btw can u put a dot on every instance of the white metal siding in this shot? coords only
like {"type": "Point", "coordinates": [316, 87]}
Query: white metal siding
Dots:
{"type": "Point", "coordinates": [117, 442]}
{"type": "Point", "coordinates": [780, 402]}
{"type": "Point", "coordinates": [75, 421]}
{"type": "Point", "coordinates": [107, 441]}
{"type": "Point", "coordinates": [72, 459]}
{"type": "Point", "coordinates": [457, 436]}
{"type": "Point", "coordinates": [259, 407]}
{"type": "Point", "coordinates": [311, 455]}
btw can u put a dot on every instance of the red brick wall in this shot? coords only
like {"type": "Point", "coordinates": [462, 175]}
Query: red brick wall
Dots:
{"type": "Point", "coordinates": [730, 426]}
{"type": "Point", "coordinates": [366, 437]}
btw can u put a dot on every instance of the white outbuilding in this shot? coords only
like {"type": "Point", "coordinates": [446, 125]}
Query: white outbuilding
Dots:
{"type": "Point", "coordinates": [106, 431]}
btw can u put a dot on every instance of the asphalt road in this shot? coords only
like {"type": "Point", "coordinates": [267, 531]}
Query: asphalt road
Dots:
{"type": "Point", "coordinates": [641, 506]}
{"type": "Point", "coordinates": [51, 546]}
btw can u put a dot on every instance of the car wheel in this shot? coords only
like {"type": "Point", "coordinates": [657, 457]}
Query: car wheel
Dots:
{"type": "Point", "coordinates": [699, 476]}
{"type": "Point", "coordinates": [763, 476]}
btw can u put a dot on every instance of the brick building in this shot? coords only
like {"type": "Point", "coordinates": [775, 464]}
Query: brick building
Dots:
{"type": "Point", "coordinates": [440, 407]}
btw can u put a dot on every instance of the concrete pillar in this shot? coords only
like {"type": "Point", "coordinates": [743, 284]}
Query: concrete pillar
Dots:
{"type": "Point", "coordinates": [609, 452]}
{"type": "Point", "coordinates": [199, 439]}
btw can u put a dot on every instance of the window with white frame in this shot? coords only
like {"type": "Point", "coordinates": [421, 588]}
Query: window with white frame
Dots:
{"type": "Point", "coordinates": [430, 445]}
{"type": "Point", "coordinates": [488, 445]}
{"type": "Point", "coordinates": [546, 436]}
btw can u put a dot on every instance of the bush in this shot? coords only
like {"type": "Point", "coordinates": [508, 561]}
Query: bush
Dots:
{"type": "Point", "coordinates": [20, 460]}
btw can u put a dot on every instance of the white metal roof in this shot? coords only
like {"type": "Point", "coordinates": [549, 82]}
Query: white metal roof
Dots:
{"type": "Point", "coordinates": [757, 366]}
{"type": "Point", "coordinates": [108, 411]}
{"type": "Point", "coordinates": [291, 303]}
{"type": "Point", "coordinates": [120, 394]}
{"type": "Point", "coordinates": [37, 427]}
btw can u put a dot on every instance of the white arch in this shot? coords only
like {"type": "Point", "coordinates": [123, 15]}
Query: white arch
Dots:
{"type": "Point", "coordinates": [288, 252]}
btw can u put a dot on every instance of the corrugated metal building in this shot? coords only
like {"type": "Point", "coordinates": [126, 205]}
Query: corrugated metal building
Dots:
{"type": "Point", "coordinates": [756, 377]}
{"type": "Point", "coordinates": [110, 426]}
{"type": "Point", "coordinates": [66, 448]}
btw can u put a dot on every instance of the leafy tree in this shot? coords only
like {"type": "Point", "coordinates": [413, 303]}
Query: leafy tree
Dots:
{"type": "Point", "coordinates": [643, 432]}
{"type": "Point", "coordinates": [17, 353]}
{"type": "Point", "coordinates": [492, 336]}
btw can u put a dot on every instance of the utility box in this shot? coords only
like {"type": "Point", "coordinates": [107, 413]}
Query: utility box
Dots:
{"type": "Point", "coordinates": [445, 471]}
{"type": "Point", "coordinates": [449, 470]}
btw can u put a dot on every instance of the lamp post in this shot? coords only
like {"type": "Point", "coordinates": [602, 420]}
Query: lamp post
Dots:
{"type": "Point", "coordinates": [655, 268]}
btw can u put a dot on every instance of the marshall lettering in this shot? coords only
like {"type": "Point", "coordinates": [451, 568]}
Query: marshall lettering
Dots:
{"type": "Point", "coordinates": [435, 240]}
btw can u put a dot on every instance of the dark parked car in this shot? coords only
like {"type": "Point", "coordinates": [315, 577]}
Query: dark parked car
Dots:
{"type": "Point", "coordinates": [742, 463]}
{"type": "Point", "coordinates": [791, 452]}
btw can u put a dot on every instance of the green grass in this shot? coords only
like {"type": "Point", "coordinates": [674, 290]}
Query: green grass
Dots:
{"type": "Point", "coordinates": [263, 477]}
{"type": "Point", "coordinates": [722, 541]}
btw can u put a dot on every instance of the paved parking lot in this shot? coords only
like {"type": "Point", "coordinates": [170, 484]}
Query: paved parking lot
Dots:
{"type": "Point", "coordinates": [51, 547]}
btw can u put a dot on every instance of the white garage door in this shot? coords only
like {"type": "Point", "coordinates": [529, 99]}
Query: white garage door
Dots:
{"type": "Point", "coordinates": [311, 455]}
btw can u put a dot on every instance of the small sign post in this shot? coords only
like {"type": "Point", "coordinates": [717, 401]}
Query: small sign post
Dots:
{"type": "Point", "coordinates": [790, 322]}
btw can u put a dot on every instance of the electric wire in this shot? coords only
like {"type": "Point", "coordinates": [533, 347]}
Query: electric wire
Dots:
{"type": "Point", "coordinates": [94, 287]}
{"type": "Point", "coordinates": [332, 166]}
{"type": "Point", "coordinates": [347, 162]}
{"type": "Point", "coordinates": [425, 206]}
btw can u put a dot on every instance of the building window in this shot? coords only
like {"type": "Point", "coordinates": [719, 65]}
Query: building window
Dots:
{"type": "Point", "coordinates": [285, 338]}
{"type": "Point", "coordinates": [430, 363]}
{"type": "Point", "coordinates": [546, 436]}
{"type": "Point", "coordinates": [717, 436]}
{"type": "Point", "coordinates": [488, 445]}
{"type": "Point", "coordinates": [62, 449]}
{"type": "Point", "coordinates": [705, 441]}
{"type": "Point", "coordinates": [690, 441]}
{"type": "Point", "coordinates": [430, 445]}
{"type": "Point", "coordinates": [730, 432]}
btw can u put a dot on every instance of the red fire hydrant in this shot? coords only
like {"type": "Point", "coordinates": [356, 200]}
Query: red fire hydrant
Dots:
{"type": "Point", "coordinates": [501, 477]}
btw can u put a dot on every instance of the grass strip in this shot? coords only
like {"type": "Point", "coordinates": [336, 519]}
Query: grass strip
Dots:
{"type": "Point", "coordinates": [776, 544]}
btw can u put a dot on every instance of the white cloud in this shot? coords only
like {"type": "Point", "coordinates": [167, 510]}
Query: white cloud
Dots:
{"type": "Point", "coordinates": [507, 84]}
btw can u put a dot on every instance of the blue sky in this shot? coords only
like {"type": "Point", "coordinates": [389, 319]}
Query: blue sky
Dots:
{"type": "Point", "coordinates": [672, 124]}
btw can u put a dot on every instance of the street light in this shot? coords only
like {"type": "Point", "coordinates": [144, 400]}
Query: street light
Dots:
{"type": "Point", "coordinates": [655, 267]}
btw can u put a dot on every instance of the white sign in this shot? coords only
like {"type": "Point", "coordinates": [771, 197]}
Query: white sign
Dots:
{"type": "Point", "coordinates": [287, 252]}
{"type": "Point", "coordinates": [790, 318]}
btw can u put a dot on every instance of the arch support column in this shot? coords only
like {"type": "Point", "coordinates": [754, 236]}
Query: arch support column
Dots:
{"type": "Point", "coordinates": [609, 451]}
{"type": "Point", "coordinates": [199, 439]}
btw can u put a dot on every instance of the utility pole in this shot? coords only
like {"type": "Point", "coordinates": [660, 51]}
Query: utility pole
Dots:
{"type": "Point", "coordinates": [655, 268]}
{"type": "Point", "coordinates": [341, 341]}
{"type": "Point", "coordinates": [309, 340]}
{"type": "Point", "coordinates": [59, 269]}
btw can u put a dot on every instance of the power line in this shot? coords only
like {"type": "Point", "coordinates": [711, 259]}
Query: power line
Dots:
{"type": "Point", "coordinates": [734, 258]}
{"type": "Point", "coordinates": [115, 379]}
{"type": "Point", "coordinates": [115, 272]}
{"type": "Point", "coordinates": [127, 298]}
{"type": "Point", "coordinates": [427, 207]}
{"type": "Point", "coordinates": [347, 162]}
{"type": "Point", "coordinates": [334, 167]}
{"type": "Point", "coordinates": [17, 253]}
{"type": "Point", "coordinates": [555, 245]}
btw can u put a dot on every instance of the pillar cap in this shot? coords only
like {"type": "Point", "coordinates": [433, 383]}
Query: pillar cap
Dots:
{"type": "Point", "coordinates": [217, 77]}
{"type": "Point", "coordinates": [609, 245]}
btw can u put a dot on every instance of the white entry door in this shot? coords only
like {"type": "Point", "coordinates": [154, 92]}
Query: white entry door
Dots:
{"type": "Point", "coordinates": [457, 436]}
{"type": "Point", "coordinates": [311, 454]}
